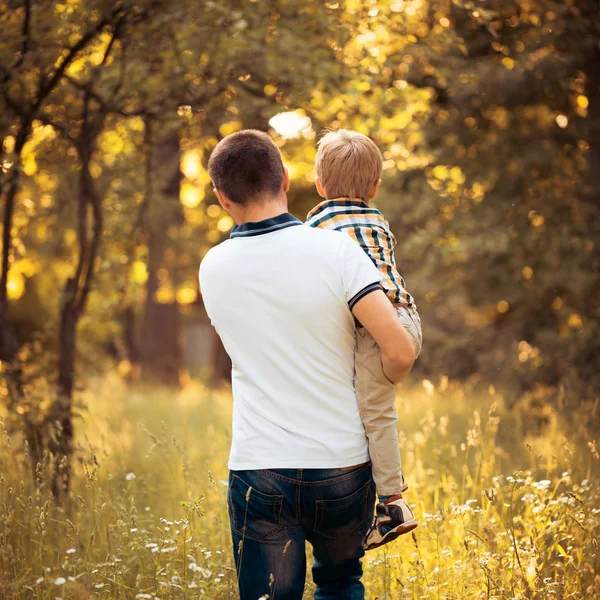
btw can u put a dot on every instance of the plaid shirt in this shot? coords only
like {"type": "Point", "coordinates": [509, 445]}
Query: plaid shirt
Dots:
{"type": "Point", "coordinates": [369, 228]}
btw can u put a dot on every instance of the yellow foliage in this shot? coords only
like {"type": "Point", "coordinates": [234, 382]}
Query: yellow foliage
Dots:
{"type": "Point", "coordinates": [111, 142]}
{"type": "Point", "coordinates": [191, 195]}
{"type": "Point", "coordinates": [582, 101]}
{"type": "Point", "coordinates": [575, 321]}
{"type": "Point", "coordinates": [186, 295]}
{"type": "Point", "coordinates": [457, 175]}
{"type": "Point", "coordinates": [15, 286]}
{"type": "Point", "coordinates": [70, 236]}
{"type": "Point", "coordinates": [441, 172]}
{"type": "Point", "coordinates": [213, 211]}
{"type": "Point", "coordinates": [139, 272]}
{"type": "Point", "coordinates": [9, 143]}
{"type": "Point", "coordinates": [509, 63]}
{"type": "Point", "coordinates": [225, 224]}
{"type": "Point", "coordinates": [191, 164]}
{"type": "Point", "coordinates": [28, 163]}
{"type": "Point", "coordinates": [164, 294]}
{"type": "Point", "coordinates": [230, 127]}
{"type": "Point", "coordinates": [502, 306]}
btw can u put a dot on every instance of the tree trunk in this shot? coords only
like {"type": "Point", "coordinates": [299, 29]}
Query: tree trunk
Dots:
{"type": "Point", "coordinates": [159, 348]}
{"type": "Point", "coordinates": [75, 297]}
{"type": "Point", "coordinates": [9, 343]}
{"type": "Point", "coordinates": [61, 438]}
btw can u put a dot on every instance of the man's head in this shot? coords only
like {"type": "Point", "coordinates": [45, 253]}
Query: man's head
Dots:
{"type": "Point", "coordinates": [246, 169]}
{"type": "Point", "coordinates": [348, 164]}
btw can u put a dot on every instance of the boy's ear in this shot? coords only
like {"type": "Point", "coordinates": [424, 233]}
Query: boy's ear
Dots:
{"type": "Point", "coordinates": [374, 189]}
{"type": "Point", "coordinates": [319, 187]}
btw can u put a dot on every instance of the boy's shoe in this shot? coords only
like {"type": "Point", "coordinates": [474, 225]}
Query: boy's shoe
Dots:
{"type": "Point", "coordinates": [393, 518]}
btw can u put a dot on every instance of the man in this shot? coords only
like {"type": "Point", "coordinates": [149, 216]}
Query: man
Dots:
{"type": "Point", "coordinates": [283, 298]}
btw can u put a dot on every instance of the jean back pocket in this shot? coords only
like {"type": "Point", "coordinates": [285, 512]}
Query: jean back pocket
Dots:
{"type": "Point", "coordinates": [341, 517]}
{"type": "Point", "coordinates": [253, 514]}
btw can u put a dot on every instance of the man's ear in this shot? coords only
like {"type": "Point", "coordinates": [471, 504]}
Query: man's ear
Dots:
{"type": "Point", "coordinates": [374, 189]}
{"type": "Point", "coordinates": [319, 187]}
{"type": "Point", "coordinates": [222, 198]}
{"type": "Point", "coordinates": [286, 180]}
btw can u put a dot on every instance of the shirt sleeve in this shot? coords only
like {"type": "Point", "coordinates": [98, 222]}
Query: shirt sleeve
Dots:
{"type": "Point", "coordinates": [359, 275]}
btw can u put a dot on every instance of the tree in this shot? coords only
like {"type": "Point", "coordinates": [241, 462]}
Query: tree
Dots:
{"type": "Point", "coordinates": [128, 78]}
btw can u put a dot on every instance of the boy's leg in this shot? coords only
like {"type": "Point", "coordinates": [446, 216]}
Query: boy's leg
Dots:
{"type": "Point", "coordinates": [376, 398]}
{"type": "Point", "coordinates": [376, 402]}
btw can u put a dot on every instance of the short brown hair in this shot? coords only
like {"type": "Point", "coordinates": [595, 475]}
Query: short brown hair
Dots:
{"type": "Point", "coordinates": [348, 164]}
{"type": "Point", "coordinates": [245, 165]}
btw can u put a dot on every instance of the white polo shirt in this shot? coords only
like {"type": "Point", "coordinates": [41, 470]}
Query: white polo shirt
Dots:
{"type": "Point", "coordinates": [280, 296]}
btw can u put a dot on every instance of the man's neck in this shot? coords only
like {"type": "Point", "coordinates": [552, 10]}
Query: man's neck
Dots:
{"type": "Point", "coordinates": [254, 213]}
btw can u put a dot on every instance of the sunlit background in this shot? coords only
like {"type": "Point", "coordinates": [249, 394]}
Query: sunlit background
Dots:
{"type": "Point", "coordinates": [487, 114]}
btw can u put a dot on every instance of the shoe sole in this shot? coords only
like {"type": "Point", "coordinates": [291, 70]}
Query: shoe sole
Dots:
{"type": "Point", "coordinates": [394, 533]}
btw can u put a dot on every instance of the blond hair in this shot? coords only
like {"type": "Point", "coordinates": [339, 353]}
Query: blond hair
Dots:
{"type": "Point", "coordinates": [348, 164]}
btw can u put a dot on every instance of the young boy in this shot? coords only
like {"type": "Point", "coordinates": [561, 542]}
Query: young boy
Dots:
{"type": "Point", "coordinates": [349, 167]}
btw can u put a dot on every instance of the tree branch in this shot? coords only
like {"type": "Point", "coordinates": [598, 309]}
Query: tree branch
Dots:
{"type": "Point", "coordinates": [26, 33]}
{"type": "Point", "coordinates": [46, 89]}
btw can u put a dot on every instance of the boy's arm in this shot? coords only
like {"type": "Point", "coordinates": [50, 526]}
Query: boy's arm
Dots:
{"type": "Point", "coordinates": [371, 307]}
{"type": "Point", "coordinates": [376, 313]}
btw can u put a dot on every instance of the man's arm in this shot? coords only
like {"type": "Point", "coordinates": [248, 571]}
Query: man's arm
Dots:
{"type": "Point", "coordinates": [376, 313]}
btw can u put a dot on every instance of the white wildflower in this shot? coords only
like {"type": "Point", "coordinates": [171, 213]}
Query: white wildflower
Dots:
{"type": "Point", "coordinates": [60, 581]}
{"type": "Point", "coordinates": [130, 476]}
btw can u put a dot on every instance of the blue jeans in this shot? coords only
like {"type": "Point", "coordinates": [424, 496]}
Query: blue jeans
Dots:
{"type": "Point", "coordinates": [273, 514]}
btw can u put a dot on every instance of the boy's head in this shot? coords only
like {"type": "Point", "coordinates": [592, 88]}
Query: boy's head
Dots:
{"type": "Point", "coordinates": [348, 164]}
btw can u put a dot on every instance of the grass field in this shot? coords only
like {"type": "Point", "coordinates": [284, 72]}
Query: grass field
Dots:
{"type": "Point", "coordinates": [501, 515]}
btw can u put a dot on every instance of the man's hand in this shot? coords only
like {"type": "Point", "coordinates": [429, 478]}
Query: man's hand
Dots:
{"type": "Point", "coordinates": [376, 313]}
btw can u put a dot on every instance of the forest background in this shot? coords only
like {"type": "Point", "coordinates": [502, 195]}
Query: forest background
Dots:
{"type": "Point", "coordinates": [487, 113]}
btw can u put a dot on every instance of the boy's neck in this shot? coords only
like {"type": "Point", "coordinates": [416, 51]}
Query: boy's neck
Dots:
{"type": "Point", "coordinates": [347, 198]}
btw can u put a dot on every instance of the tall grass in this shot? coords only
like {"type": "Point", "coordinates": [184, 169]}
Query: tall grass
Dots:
{"type": "Point", "coordinates": [502, 515]}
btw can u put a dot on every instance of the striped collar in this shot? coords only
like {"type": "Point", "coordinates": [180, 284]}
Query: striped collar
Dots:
{"type": "Point", "coordinates": [337, 202]}
{"type": "Point", "coordinates": [267, 226]}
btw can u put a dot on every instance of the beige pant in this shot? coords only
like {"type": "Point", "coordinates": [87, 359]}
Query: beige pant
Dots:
{"type": "Point", "coordinates": [376, 402]}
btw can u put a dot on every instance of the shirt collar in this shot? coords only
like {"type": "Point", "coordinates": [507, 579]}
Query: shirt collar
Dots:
{"type": "Point", "coordinates": [267, 226]}
{"type": "Point", "coordinates": [337, 202]}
